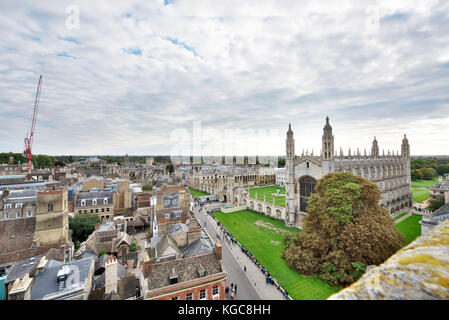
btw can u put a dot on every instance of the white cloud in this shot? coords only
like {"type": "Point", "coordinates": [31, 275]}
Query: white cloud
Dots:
{"type": "Point", "coordinates": [376, 68]}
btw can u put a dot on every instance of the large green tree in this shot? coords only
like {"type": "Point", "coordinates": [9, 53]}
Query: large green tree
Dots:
{"type": "Point", "coordinates": [344, 231]}
{"type": "Point", "coordinates": [82, 225]}
{"type": "Point", "coordinates": [428, 173]}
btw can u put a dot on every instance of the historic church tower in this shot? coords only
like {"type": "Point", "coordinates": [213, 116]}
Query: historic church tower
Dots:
{"type": "Point", "coordinates": [327, 149]}
{"type": "Point", "coordinates": [290, 172]}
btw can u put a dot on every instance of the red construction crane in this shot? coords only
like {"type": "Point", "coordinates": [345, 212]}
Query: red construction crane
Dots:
{"type": "Point", "coordinates": [30, 133]}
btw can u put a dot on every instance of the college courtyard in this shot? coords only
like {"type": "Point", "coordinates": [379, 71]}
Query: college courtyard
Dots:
{"type": "Point", "coordinates": [263, 237]}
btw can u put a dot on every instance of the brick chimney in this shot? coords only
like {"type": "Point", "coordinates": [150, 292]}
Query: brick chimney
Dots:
{"type": "Point", "coordinates": [111, 275]}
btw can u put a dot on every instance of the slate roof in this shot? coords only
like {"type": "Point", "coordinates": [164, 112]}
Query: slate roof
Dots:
{"type": "Point", "coordinates": [88, 254]}
{"type": "Point", "coordinates": [186, 270]}
{"type": "Point", "coordinates": [444, 210]}
{"type": "Point", "coordinates": [179, 227]}
{"type": "Point", "coordinates": [200, 246]}
{"type": "Point", "coordinates": [45, 282]}
{"type": "Point", "coordinates": [16, 235]}
{"type": "Point", "coordinates": [441, 185]}
{"type": "Point", "coordinates": [90, 195]}
{"type": "Point", "coordinates": [18, 269]}
{"type": "Point", "coordinates": [21, 195]}
{"type": "Point", "coordinates": [107, 240]}
{"type": "Point", "coordinates": [165, 243]}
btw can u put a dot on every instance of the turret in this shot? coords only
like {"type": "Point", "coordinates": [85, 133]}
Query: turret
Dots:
{"type": "Point", "coordinates": [328, 148]}
{"type": "Point", "coordinates": [375, 149]}
{"type": "Point", "coordinates": [290, 145]}
{"type": "Point", "coordinates": [328, 141]}
{"type": "Point", "coordinates": [405, 148]}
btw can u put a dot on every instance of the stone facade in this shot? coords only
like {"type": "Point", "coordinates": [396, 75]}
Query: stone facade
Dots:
{"type": "Point", "coordinates": [99, 202]}
{"type": "Point", "coordinates": [390, 172]}
{"type": "Point", "coordinates": [172, 206]}
{"type": "Point", "coordinates": [52, 221]}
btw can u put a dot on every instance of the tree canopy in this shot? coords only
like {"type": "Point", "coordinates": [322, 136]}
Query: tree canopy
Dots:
{"type": "Point", "coordinates": [281, 163]}
{"type": "Point", "coordinates": [429, 168]}
{"type": "Point", "coordinates": [82, 225]}
{"type": "Point", "coordinates": [344, 231]}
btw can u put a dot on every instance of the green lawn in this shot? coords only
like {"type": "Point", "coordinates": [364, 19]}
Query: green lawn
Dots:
{"type": "Point", "coordinates": [197, 193]}
{"type": "Point", "coordinates": [267, 246]}
{"type": "Point", "coordinates": [400, 216]}
{"type": "Point", "coordinates": [420, 195]}
{"type": "Point", "coordinates": [424, 183]}
{"type": "Point", "coordinates": [268, 191]}
{"type": "Point", "coordinates": [410, 228]}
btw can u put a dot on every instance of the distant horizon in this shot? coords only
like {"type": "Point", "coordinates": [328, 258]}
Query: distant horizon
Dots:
{"type": "Point", "coordinates": [167, 155]}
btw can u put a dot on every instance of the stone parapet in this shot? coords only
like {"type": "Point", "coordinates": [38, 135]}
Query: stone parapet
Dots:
{"type": "Point", "coordinates": [420, 271]}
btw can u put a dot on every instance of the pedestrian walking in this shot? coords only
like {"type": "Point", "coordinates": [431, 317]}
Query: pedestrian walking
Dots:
{"type": "Point", "coordinates": [244, 268]}
{"type": "Point", "coordinates": [232, 286]}
{"type": "Point", "coordinates": [235, 288]}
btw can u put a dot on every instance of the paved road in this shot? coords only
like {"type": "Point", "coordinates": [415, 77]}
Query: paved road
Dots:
{"type": "Point", "coordinates": [251, 284]}
{"type": "Point", "coordinates": [245, 291]}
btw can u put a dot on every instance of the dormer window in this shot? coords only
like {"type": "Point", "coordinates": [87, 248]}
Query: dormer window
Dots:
{"type": "Point", "coordinates": [18, 205]}
{"type": "Point", "coordinates": [83, 203]}
{"type": "Point", "coordinates": [8, 206]}
{"type": "Point", "coordinates": [94, 202]}
{"type": "Point", "coordinates": [105, 201]}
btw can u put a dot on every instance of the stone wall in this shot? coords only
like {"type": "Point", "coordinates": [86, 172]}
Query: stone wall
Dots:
{"type": "Point", "coordinates": [420, 271]}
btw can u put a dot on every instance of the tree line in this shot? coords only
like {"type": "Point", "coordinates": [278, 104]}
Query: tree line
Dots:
{"type": "Point", "coordinates": [39, 161]}
{"type": "Point", "coordinates": [428, 168]}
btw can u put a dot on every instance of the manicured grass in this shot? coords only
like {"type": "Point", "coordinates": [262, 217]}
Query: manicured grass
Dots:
{"type": "Point", "coordinates": [420, 195]}
{"type": "Point", "coordinates": [410, 227]}
{"type": "Point", "coordinates": [424, 183]}
{"type": "Point", "coordinates": [268, 191]}
{"type": "Point", "coordinates": [267, 246]}
{"type": "Point", "coordinates": [197, 193]}
{"type": "Point", "coordinates": [400, 216]}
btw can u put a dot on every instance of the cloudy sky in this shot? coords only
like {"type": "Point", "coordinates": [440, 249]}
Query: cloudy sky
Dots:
{"type": "Point", "coordinates": [141, 77]}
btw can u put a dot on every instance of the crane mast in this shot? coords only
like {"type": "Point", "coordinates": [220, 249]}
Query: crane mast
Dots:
{"type": "Point", "coordinates": [30, 133]}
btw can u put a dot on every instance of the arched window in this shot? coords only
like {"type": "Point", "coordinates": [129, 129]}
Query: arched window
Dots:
{"type": "Point", "coordinates": [307, 163]}
{"type": "Point", "coordinates": [306, 188]}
